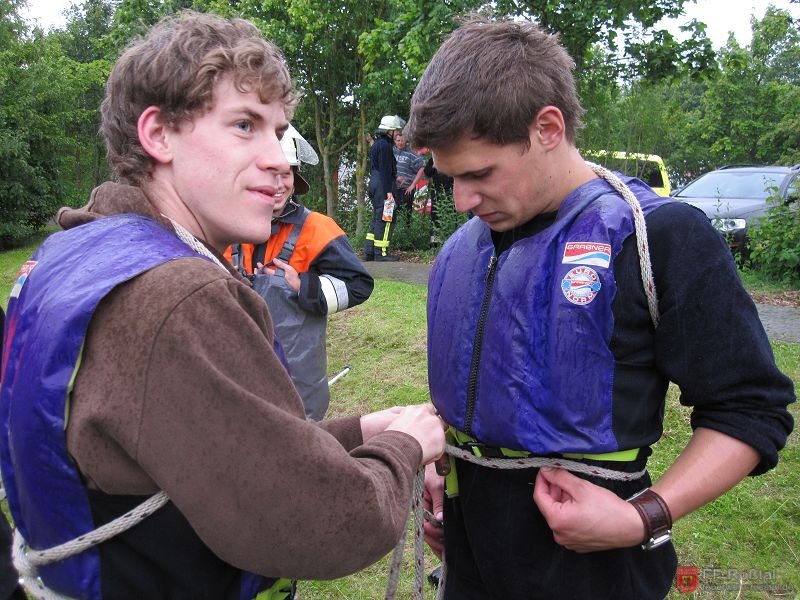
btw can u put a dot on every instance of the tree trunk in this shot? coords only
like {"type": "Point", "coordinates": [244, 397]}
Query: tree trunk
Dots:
{"type": "Point", "coordinates": [361, 168]}
{"type": "Point", "coordinates": [324, 143]}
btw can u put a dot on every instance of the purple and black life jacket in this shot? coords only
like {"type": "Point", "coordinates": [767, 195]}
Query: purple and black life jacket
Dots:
{"type": "Point", "coordinates": [519, 353]}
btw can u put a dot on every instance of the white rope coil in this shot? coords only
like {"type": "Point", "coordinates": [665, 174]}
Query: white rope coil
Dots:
{"type": "Point", "coordinates": [641, 236]}
{"type": "Point", "coordinates": [28, 561]}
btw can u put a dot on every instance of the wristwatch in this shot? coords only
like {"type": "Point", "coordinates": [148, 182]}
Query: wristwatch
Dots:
{"type": "Point", "coordinates": [656, 518]}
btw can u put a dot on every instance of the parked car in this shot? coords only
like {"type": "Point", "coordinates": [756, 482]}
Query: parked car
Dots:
{"type": "Point", "coordinates": [733, 197]}
{"type": "Point", "coordinates": [647, 167]}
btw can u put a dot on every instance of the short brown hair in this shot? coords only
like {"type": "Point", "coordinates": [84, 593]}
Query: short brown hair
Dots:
{"type": "Point", "coordinates": [175, 67]}
{"type": "Point", "coordinates": [489, 80]}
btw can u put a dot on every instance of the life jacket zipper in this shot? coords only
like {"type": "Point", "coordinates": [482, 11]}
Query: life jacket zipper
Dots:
{"type": "Point", "coordinates": [472, 382]}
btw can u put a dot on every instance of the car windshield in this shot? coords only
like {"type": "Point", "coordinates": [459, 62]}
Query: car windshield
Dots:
{"type": "Point", "coordinates": [745, 185]}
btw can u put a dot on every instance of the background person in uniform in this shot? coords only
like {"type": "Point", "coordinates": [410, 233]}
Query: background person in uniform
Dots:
{"type": "Point", "coordinates": [381, 183]}
{"type": "Point", "coordinates": [312, 271]}
{"type": "Point", "coordinates": [548, 339]}
{"type": "Point", "coordinates": [163, 357]}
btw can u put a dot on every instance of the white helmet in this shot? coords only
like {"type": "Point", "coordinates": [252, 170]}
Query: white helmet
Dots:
{"type": "Point", "coordinates": [391, 123]}
{"type": "Point", "coordinates": [296, 149]}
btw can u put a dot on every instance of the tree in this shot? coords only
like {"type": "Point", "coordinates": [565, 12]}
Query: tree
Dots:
{"type": "Point", "coordinates": [319, 41]}
{"type": "Point", "coordinates": [85, 40]}
{"type": "Point", "coordinates": [748, 114]}
{"type": "Point", "coordinates": [395, 53]}
{"type": "Point", "coordinates": [29, 183]}
{"type": "Point", "coordinates": [583, 24]}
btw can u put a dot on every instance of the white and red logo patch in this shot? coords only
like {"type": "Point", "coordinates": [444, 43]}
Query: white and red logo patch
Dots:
{"type": "Point", "coordinates": [587, 253]}
{"type": "Point", "coordinates": [22, 277]}
{"type": "Point", "coordinates": [581, 285]}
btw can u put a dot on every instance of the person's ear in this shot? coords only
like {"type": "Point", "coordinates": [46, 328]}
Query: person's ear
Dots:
{"type": "Point", "coordinates": [548, 128]}
{"type": "Point", "coordinates": [153, 135]}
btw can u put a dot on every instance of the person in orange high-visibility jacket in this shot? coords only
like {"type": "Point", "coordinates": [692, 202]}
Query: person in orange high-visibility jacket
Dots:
{"type": "Point", "coordinates": [306, 270]}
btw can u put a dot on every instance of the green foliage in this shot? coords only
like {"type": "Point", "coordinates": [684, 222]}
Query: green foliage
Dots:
{"type": "Point", "coordinates": [357, 60]}
{"type": "Point", "coordinates": [448, 219]}
{"type": "Point", "coordinates": [648, 52]}
{"type": "Point", "coordinates": [50, 87]}
{"type": "Point", "coordinates": [30, 188]}
{"type": "Point", "coordinates": [748, 114]}
{"type": "Point", "coordinates": [412, 231]}
{"type": "Point", "coordinates": [775, 242]}
{"type": "Point", "coordinates": [24, 190]}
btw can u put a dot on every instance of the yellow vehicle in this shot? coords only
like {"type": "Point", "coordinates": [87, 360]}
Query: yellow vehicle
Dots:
{"type": "Point", "coordinates": [647, 167]}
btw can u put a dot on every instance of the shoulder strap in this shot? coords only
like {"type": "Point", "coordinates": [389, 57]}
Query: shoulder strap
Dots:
{"type": "Point", "coordinates": [260, 250]}
{"type": "Point", "coordinates": [288, 247]}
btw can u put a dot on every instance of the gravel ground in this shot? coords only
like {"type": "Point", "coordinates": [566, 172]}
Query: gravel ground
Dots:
{"type": "Point", "coordinates": [781, 320]}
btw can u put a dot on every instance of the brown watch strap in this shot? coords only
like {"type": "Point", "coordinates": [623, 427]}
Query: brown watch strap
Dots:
{"type": "Point", "coordinates": [654, 512]}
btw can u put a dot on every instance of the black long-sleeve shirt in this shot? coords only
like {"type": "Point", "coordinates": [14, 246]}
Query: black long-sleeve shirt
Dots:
{"type": "Point", "coordinates": [710, 341]}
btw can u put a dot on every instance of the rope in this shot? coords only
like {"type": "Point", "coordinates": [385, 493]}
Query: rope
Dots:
{"type": "Point", "coordinates": [419, 534]}
{"type": "Point", "coordinates": [397, 558]}
{"type": "Point", "coordinates": [420, 514]}
{"type": "Point", "coordinates": [28, 561]}
{"type": "Point", "coordinates": [541, 461]}
{"type": "Point", "coordinates": [641, 236]}
{"type": "Point", "coordinates": [193, 242]}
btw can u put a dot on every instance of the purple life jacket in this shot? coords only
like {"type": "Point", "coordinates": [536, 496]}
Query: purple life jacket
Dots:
{"type": "Point", "coordinates": [49, 312]}
{"type": "Point", "coordinates": [519, 353]}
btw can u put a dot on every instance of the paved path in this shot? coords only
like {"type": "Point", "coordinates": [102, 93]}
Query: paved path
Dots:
{"type": "Point", "coordinates": [782, 323]}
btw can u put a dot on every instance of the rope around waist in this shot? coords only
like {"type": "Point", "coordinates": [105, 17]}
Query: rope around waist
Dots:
{"type": "Point", "coordinates": [537, 462]}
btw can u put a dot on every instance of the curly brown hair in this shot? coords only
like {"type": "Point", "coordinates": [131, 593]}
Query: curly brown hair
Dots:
{"type": "Point", "coordinates": [175, 67]}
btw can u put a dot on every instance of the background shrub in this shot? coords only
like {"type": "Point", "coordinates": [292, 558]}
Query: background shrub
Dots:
{"type": "Point", "coordinates": [775, 242]}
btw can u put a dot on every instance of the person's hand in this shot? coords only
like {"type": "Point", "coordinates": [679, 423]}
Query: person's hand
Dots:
{"type": "Point", "coordinates": [409, 188]}
{"type": "Point", "coordinates": [420, 422]}
{"type": "Point", "coordinates": [289, 272]}
{"type": "Point", "coordinates": [585, 517]}
{"type": "Point", "coordinates": [376, 422]}
{"type": "Point", "coordinates": [433, 499]}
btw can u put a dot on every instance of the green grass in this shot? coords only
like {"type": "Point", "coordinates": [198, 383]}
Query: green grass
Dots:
{"type": "Point", "coordinates": [755, 526]}
{"type": "Point", "coordinates": [11, 261]}
{"type": "Point", "coordinates": [756, 281]}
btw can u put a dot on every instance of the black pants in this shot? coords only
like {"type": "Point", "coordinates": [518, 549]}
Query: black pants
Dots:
{"type": "Point", "coordinates": [405, 204]}
{"type": "Point", "coordinates": [499, 547]}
